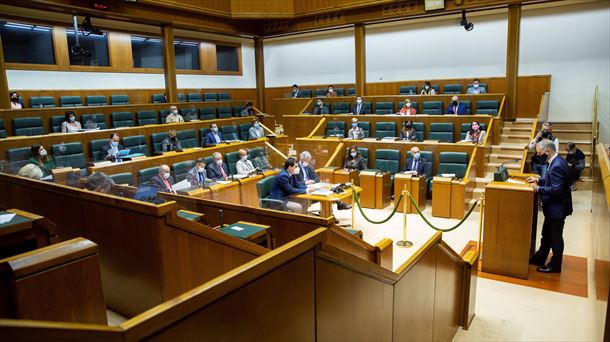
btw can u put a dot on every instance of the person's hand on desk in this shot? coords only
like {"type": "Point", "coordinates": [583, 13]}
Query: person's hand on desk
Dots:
{"type": "Point", "coordinates": [309, 182]}
{"type": "Point", "coordinates": [532, 180]}
{"type": "Point", "coordinates": [310, 189]}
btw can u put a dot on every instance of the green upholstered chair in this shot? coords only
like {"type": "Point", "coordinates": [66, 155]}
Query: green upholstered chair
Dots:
{"type": "Point", "coordinates": [225, 112]}
{"type": "Point", "coordinates": [189, 114]}
{"type": "Point", "coordinates": [230, 132]}
{"type": "Point", "coordinates": [28, 126]}
{"type": "Point", "coordinates": [385, 129]}
{"type": "Point", "coordinates": [56, 121]}
{"type": "Point", "coordinates": [384, 108]}
{"type": "Point", "coordinates": [202, 134]}
{"type": "Point", "coordinates": [340, 108]}
{"type": "Point", "coordinates": [163, 113]}
{"type": "Point", "coordinates": [320, 92]}
{"type": "Point", "coordinates": [147, 117]}
{"type": "Point", "coordinates": [2, 129]}
{"type": "Point", "coordinates": [122, 178]}
{"type": "Point", "coordinates": [263, 188]}
{"type": "Point", "coordinates": [231, 159]}
{"type": "Point", "coordinates": [339, 91]}
{"type": "Point", "coordinates": [42, 102]}
{"type": "Point", "coordinates": [194, 97]}
{"type": "Point", "coordinates": [366, 127]}
{"type": "Point", "coordinates": [305, 93]}
{"type": "Point", "coordinates": [181, 169]}
{"type": "Point", "coordinates": [244, 131]}
{"type": "Point", "coordinates": [95, 120]}
{"type": "Point", "coordinates": [181, 98]}
{"type": "Point", "coordinates": [188, 138]}
{"type": "Point", "coordinates": [121, 119]}
{"type": "Point", "coordinates": [453, 162]}
{"type": "Point", "coordinates": [387, 160]}
{"type": "Point", "coordinates": [158, 98]}
{"type": "Point", "coordinates": [119, 100]}
{"type": "Point", "coordinates": [256, 152]}
{"type": "Point", "coordinates": [145, 175]}
{"type": "Point", "coordinates": [224, 97]}
{"type": "Point", "coordinates": [70, 101]}
{"type": "Point", "coordinates": [207, 113]}
{"type": "Point", "coordinates": [335, 128]}
{"type": "Point", "coordinates": [488, 107]}
{"type": "Point", "coordinates": [69, 155]}
{"type": "Point", "coordinates": [95, 100]}
{"type": "Point", "coordinates": [210, 97]}
{"type": "Point", "coordinates": [466, 127]}
{"type": "Point", "coordinates": [97, 152]}
{"type": "Point", "coordinates": [452, 89]}
{"type": "Point", "coordinates": [237, 110]}
{"type": "Point", "coordinates": [432, 107]}
{"type": "Point", "coordinates": [351, 91]}
{"type": "Point", "coordinates": [420, 128]}
{"type": "Point", "coordinates": [156, 140]}
{"type": "Point", "coordinates": [364, 152]}
{"type": "Point", "coordinates": [408, 90]}
{"type": "Point", "coordinates": [18, 157]}
{"type": "Point", "coordinates": [137, 144]}
{"type": "Point", "coordinates": [467, 104]}
{"type": "Point", "coordinates": [436, 88]}
{"type": "Point", "coordinates": [442, 131]}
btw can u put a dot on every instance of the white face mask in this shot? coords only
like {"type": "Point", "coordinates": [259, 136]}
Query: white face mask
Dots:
{"type": "Point", "coordinates": [353, 154]}
{"type": "Point", "coordinates": [200, 169]}
{"type": "Point", "coordinates": [305, 164]}
{"type": "Point", "coordinates": [166, 175]}
{"type": "Point", "coordinates": [358, 101]}
{"type": "Point", "coordinates": [219, 161]}
{"type": "Point", "coordinates": [475, 85]}
{"type": "Point", "coordinates": [330, 90]}
{"type": "Point", "coordinates": [175, 112]}
{"type": "Point", "coordinates": [427, 87]}
{"type": "Point", "coordinates": [244, 158]}
{"type": "Point", "coordinates": [296, 171]}
{"type": "Point", "coordinates": [43, 153]}
{"type": "Point", "coordinates": [408, 104]}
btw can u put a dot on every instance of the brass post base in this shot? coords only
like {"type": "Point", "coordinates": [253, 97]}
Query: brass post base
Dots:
{"type": "Point", "coordinates": [404, 244]}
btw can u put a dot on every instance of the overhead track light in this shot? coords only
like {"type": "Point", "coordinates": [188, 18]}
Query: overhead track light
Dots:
{"type": "Point", "coordinates": [464, 22]}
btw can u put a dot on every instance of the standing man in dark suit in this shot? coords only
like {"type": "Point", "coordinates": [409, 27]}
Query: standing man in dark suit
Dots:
{"type": "Point", "coordinates": [163, 180]}
{"type": "Point", "coordinates": [360, 108]}
{"type": "Point", "coordinates": [218, 170]}
{"type": "Point", "coordinates": [416, 162]}
{"type": "Point", "coordinates": [556, 197]}
{"type": "Point", "coordinates": [296, 92]}
{"type": "Point", "coordinates": [455, 107]}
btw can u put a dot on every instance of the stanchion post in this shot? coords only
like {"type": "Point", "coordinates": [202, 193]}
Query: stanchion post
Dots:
{"type": "Point", "coordinates": [353, 205]}
{"type": "Point", "coordinates": [404, 243]}
{"type": "Point", "coordinates": [481, 210]}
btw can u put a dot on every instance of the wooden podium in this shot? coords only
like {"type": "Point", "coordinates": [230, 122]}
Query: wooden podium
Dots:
{"type": "Point", "coordinates": [367, 183]}
{"type": "Point", "coordinates": [509, 232]}
{"type": "Point", "coordinates": [326, 174]}
{"type": "Point", "coordinates": [441, 197]}
{"type": "Point", "coordinates": [416, 186]}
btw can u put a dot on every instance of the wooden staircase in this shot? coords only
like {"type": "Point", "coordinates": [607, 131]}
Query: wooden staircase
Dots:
{"type": "Point", "coordinates": [581, 134]}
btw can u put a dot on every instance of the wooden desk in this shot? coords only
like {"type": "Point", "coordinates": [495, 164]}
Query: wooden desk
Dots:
{"type": "Point", "coordinates": [441, 197]}
{"type": "Point", "coordinates": [416, 186]}
{"type": "Point", "coordinates": [252, 232]}
{"type": "Point", "coordinates": [24, 227]}
{"type": "Point", "coordinates": [226, 192]}
{"type": "Point", "coordinates": [343, 176]}
{"type": "Point", "coordinates": [383, 187]}
{"type": "Point", "coordinates": [326, 202]}
{"type": "Point", "coordinates": [367, 183]}
{"type": "Point", "coordinates": [511, 212]}
{"type": "Point", "coordinates": [327, 174]}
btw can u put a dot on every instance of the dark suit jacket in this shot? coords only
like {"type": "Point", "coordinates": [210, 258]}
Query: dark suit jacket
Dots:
{"type": "Point", "coordinates": [296, 93]}
{"type": "Point", "coordinates": [169, 145]}
{"type": "Point", "coordinates": [421, 164]}
{"type": "Point", "coordinates": [156, 181]}
{"type": "Point", "coordinates": [364, 109]}
{"type": "Point", "coordinates": [318, 111]}
{"type": "Point", "coordinates": [209, 138]}
{"type": "Point", "coordinates": [461, 109]}
{"type": "Point", "coordinates": [285, 185]}
{"type": "Point", "coordinates": [555, 191]}
{"type": "Point", "coordinates": [311, 173]}
{"type": "Point", "coordinates": [107, 148]}
{"type": "Point", "coordinates": [214, 172]}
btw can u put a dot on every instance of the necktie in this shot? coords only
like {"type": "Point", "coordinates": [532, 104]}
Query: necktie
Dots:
{"type": "Point", "coordinates": [358, 109]}
{"type": "Point", "coordinates": [217, 137]}
{"type": "Point", "coordinates": [222, 171]}
{"type": "Point", "coordinates": [455, 109]}
{"type": "Point", "coordinates": [169, 186]}
{"type": "Point", "coordinates": [200, 177]}
{"type": "Point", "coordinates": [414, 168]}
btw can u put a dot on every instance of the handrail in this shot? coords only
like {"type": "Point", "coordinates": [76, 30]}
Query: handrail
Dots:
{"type": "Point", "coordinates": [275, 150]}
{"type": "Point", "coordinates": [471, 161]}
{"type": "Point", "coordinates": [407, 265]}
{"type": "Point", "coordinates": [594, 132]}
{"type": "Point", "coordinates": [266, 128]}
{"type": "Point", "coordinates": [489, 130]}
{"type": "Point", "coordinates": [313, 132]}
{"type": "Point", "coordinates": [335, 154]}
{"type": "Point", "coordinates": [306, 106]}
{"type": "Point", "coordinates": [501, 110]}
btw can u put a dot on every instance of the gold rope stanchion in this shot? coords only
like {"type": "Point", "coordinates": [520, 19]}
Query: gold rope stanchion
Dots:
{"type": "Point", "coordinates": [353, 205]}
{"type": "Point", "coordinates": [404, 243]}
{"type": "Point", "coordinates": [481, 209]}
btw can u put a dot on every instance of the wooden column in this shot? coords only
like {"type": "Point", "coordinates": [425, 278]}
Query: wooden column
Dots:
{"type": "Point", "coordinates": [359, 36]}
{"type": "Point", "coordinates": [169, 64]}
{"type": "Point", "coordinates": [512, 61]}
{"type": "Point", "coordinates": [5, 102]}
{"type": "Point", "coordinates": [259, 62]}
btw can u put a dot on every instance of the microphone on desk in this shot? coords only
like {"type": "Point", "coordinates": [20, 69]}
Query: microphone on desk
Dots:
{"type": "Point", "coordinates": [221, 214]}
{"type": "Point", "coordinates": [501, 174]}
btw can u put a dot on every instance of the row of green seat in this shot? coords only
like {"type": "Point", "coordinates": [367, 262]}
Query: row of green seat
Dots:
{"type": "Point", "coordinates": [442, 131]}
{"type": "Point", "coordinates": [193, 97]}
{"type": "Point", "coordinates": [34, 125]}
{"type": "Point", "coordinates": [76, 101]}
{"type": "Point", "coordinates": [490, 107]}
{"type": "Point", "coordinates": [323, 91]}
{"type": "Point", "coordinates": [447, 89]}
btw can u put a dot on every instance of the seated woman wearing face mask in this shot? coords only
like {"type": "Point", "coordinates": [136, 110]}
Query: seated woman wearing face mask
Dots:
{"type": "Point", "coordinates": [355, 132]}
{"type": "Point", "coordinates": [408, 132]}
{"type": "Point", "coordinates": [41, 159]}
{"type": "Point", "coordinates": [243, 165]}
{"type": "Point", "coordinates": [15, 104]}
{"type": "Point", "coordinates": [475, 134]}
{"type": "Point", "coordinates": [354, 160]}
{"type": "Point", "coordinates": [407, 108]}
{"type": "Point", "coordinates": [113, 147]}
{"type": "Point", "coordinates": [427, 89]}
{"type": "Point", "coordinates": [70, 125]}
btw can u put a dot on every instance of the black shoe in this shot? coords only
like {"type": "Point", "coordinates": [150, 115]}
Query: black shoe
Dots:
{"type": "Point", "coordinates": [548, 269]}
{"type": "Point", "coordinates": [343, 206]}
{"type": "Point", "coordinates": [537, 262]}
{"type": "Point", "coordinates": [336, 221]}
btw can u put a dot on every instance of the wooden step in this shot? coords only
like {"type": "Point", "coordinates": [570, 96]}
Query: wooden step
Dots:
{"type": "Point", "coordinates": [513, 138]}
{"type": "Point", "coordinates": [517, 130]}
{"type": "Point", "coordinates": [501, 158]}
{"type": "Point", "coordinates": [569, 135]}
{"type": "Point", "coordinates": [570, 125]}
{"type": "Point", "coordinates": [583, 145]}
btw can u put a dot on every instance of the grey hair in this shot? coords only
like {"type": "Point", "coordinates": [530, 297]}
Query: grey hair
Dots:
{"type": "Point", "coordinates": [98, 180]}
{"type": "Point", "coordinates": [546, 144]}
{"type": "Point", "coordinates": [216, 154]}
{"type": "Point", "coordinates": [30, 171]}
{"type": "Point", "coordinates": [305, 155]}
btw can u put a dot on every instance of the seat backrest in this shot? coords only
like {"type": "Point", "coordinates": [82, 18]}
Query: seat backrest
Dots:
{"type": "Point", "coordinates": [2, 129]}
{"type": "Point", "coordinates": [442, 131]}
{"type": "Point", "coordinates": [156, 140]}
{"type": "Point", "coordinates": [232, 158]}
{"type": "Point", "coordinates": [387, 160]}
{"type": "Point", "coordinates": [335, 128]}
{"type": "Point", "coordinates": [263, 187]}
{"type": "Point", "coordinates": [28, 126]}
{"type": "Point", "coordinates": [408, 90]}
{"type": "Point", "coordinates": [339, 91]}
{"type": "Point", "coordinates": [320, 92]}
{"type": "Point", "coordinates": [69, 155]}
{"type": "Point", "coordinates": [224, 97]}
{"type": "Point", "coordinates": [488, 107]}
{"type": "Point", "coordinates": [452, 89]}
{"type": "Point", "coordinates": [97, 152]}
{"type": "Point", "coordinates": [181, 169]}
{"type": "Point", "coordinates": [351, 91]}
{"type": "Point", "coordinates": [436, 88]}
{"type": "Point", "coordinates": [237, 110]}
{"type": "Point", "coordinates": [137, 144]}
{"type": "Point", "coordinates": [163, 113]}
{"type": "Point", "coordinates": [158, 98]}
{"type": "Point", "coordinates": [341, 108]}
{"type": "Point", "coordinates": [244, 131]}
{"type": "Point", "coordinates": [95, 100]}
{"type": "Point", "coordinates": [210, 97]}
{"type": "Point", "coordinates": [121, 119]}
{"type": "Point", "coordinates": [225, 112]}
{"type": "Point", "coordinates": [147, 117]}
{"type": "Point", "coordinates": [384, 108]}
{"type": "Point", "coordinates": [194, 97]}
{"type": "Point", "coordinates": [207, 113]}
{"type": "Point", "coordinates": [482, 85]}
{"type": "Point", "coordinates": [453, 162]}
{"type": "Point", "coordinates": [420, 128]}
{"type": "Point", "coordinates": [366, 127]}
{"type": "Point", "coordinates": [467, 105]}
{"type": "Point", "coordinates": [18, 157]}
{"type": "Point", "coordinates": [189, 114]}
{"type": "Point", "coordinates": [122, 178]}
{"type": "Point", "coordinates": [98, 119]}
{"type": "Point", "coordinates": [305, 93]}
{"type": "Point", "coordinates": [202, 134]}
{"type": "Point", "coordinates": [229, 132]}
{"type": "Point", "coordinates": [42, 102]}
{"type": "Point", "coordinates": [119, 99]}
{"type": "Point", "coordinates": [145, 175]}
{"type": "Point", "coordinates": [256, 152]}
{"type": "Point", "coordinates": [188, 138]}
{"type": "Point", "coordinates": [385, 129]}
{"type": "Point", "coordinates": [181, 98]}
{"type": "Point", "coordinates": [56, 121]}
{"type": "Point", "coordinates": [70, 101]}
{"type": "Point", "coordinates": [432, 107]}
{"type": "Point", "coordinates": [364, 152]}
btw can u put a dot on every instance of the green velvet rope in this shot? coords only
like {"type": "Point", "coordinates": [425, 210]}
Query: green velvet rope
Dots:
{"type": "Point", "coordinates": [441, 229]}
{"type": "Point", "coordinates": [357, 199]}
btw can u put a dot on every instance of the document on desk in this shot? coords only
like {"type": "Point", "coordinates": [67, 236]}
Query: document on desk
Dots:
{"type": "Point", "coordinates": [318, 185]}
{"type": "Point", "coordinates": [224, 182]}
{"type": "Point", "coordinates": [238, 228]}
{"type": "Point", "coordinates": [185, 184]}
{"type": "Point", "coordinates": [448, 175]}
{"type": "Point", "coordinates": [410, 172]}
{"type": "Point", "coordinates": [514, 181]}
{"type": "Point", "coordinates": [6, 218]}
{"type": "Point", "coordinates": [322, 192]}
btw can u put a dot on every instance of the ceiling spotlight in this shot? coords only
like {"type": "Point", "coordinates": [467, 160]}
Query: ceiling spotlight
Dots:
{"type": "Point", "coordinates": [467, 26]}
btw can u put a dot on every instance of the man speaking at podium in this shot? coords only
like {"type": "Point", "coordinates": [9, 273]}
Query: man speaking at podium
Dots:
{"type": "Point", "coordinates": [556, 196]}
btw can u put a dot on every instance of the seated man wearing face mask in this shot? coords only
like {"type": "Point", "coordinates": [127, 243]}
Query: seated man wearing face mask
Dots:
{"type": "Point", "coordinates": [355, 132]}
{"type": "Point", "coordinates": [306, 175]}
{"type": "Point", "coordinates": [113, 147]}
{"type": "Point", "coordinates": [163, 180]}
{"type": "Point", "coordinates": [197, 176]}
{"type": "Point", "coordinates": [320, 108]}
{"type": "Point", "coordinates": [455, 107]}
{"type": "Point", "coordinates": [415, 162]}
{"type": "Point", "coordinates": [173, 116]}
{"type": "Point", "coordinates": [171, 143]}
{"type": "Point", "coordinates": [218, 170]}
{"type": "Point", "coordinates": [256, 131]}
{"type": "Point", "coordinates": [476, 88]}
{"type": "Point", "coordinates": [214, 136]}
{"type": "Point", "coordinates": [360, 108]}
{"type": "Point", "coordinates": [243, 165]}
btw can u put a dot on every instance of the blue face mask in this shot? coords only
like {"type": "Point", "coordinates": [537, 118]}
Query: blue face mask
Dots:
{"type": "Point", "coordinates": [354, 125]}
{"type": "Point", "coordinates": [417, 156]}
{"type": "Point", "coordinates": [114, 143]}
